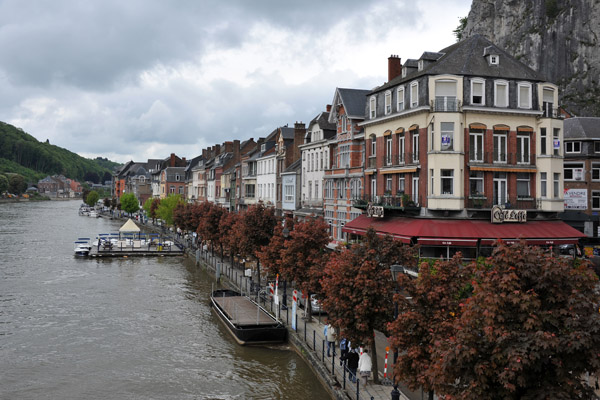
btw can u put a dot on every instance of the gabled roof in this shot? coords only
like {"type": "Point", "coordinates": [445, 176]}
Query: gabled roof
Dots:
{"type": "Point", "coordinates": [582, 128]}
{"type": "Point", "coordinates": [323, 121]}
{"type": "Point", "coordinates": [468, 58]}
{"type": "Point", "coordinates": [294, 167]}
{"type": "Point", "coordinates": [287, 133]}
{"type": "Point", "coordinates": [353, 100]}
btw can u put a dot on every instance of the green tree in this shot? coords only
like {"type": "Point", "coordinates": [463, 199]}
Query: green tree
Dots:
{"type": "Point", "coordinates": [3, 183]}
{"type": "Point", "coordinates": [460, 29]}
{"type": "Point", "coordinates": [166, 207]}
{"type": "Point", "coordinates": [92, 198]}
{"type": "Point", "coordinates": [129, 203]}
{"type": "Point", "coordinates": [17, 184]}
{"type": "Point", "coordinates": [359, 290]}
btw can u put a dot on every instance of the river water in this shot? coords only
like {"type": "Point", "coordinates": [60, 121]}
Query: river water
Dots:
{"type": "Point", "coordinates": [128, 328]}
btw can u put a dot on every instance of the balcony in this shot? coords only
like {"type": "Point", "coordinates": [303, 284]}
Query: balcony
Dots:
{"type": "Point", "coordinates": [549, 111]}
{"type": "Point", "coordinates": [496, 158]}
{"type": "Point", "coordinates": [402, 202]}
{"type": "Point", "coordinates": [485, 203]}
{"type": "Point", "coordinates": [372, 162]}
{"type": "Point", "coordinates": [445, 104]}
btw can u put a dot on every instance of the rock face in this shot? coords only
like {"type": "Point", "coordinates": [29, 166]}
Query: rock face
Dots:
{"type": "Point", "coordinates": [558, 38]}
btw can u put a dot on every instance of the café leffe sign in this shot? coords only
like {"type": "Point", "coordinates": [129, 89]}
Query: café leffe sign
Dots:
{"type": "Point", "coordinates": [500, 215]}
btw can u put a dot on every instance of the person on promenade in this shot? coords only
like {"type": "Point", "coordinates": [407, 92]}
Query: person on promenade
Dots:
{"type": "Point", "coordinates": [352, 364]}
{"type": "Point", "coordinates": [364, 366]}
{"type": "Point", "coordinates": [329, 333]}
{"type": "Point", "coordinates": [343, 350]}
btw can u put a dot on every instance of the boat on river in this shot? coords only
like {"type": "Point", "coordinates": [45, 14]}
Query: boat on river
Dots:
{"type": "Point", "coordinates": [83, 246]}
{"type": "Point", "coordinates": [246, 320]}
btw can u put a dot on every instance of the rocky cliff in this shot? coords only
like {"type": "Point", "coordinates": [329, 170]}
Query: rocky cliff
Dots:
{"type": "Point", "coordinates": [559, 38]}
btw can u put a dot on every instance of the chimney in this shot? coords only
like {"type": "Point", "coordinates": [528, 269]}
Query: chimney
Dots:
{"type": "Point", "coordinates": [236, 151]}
{"type": "Point", "coordinates": [217, 150]}
{"type": "Point", "coordinates": [228, 147]}
{"type": "Point", "coordinates": [328, 108]}
{"type": "Point", "coordinates": [394, 67]}
{"type": "Point", "coordinates": [172, 160]}
{"type": "Point", "coordinates": [299, 133]}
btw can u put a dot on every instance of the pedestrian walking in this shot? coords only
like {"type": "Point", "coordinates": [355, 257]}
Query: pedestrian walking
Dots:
{"type": "Point", "coordinates": [344, 346]}
{"type": "Point", "coordinates": [364, 366]}
{"type": "Point", "coordinates": [329, 333]}
{"type": "Point", "coordinates": [352, 364]}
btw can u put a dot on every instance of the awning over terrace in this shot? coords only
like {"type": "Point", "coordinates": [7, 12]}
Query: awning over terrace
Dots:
{"type": "Point", "coordinates": [452, 232]}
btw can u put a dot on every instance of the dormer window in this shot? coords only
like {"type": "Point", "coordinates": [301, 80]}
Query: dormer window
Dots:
{"type": "Point", "coordinates": [372, 107]}
{"type": "Point", "coordinates": [420, 65]}
{"type": "Point", "coordinates": [263, 147]}
{"type": "Point", "coordinates": [404, 72]}
{"type": "Point", "coordinates": [388, 102]}
{"type": "Point", "coordinates": [494, 59]}
{"type": "Point", "coordinates": [524, 94]}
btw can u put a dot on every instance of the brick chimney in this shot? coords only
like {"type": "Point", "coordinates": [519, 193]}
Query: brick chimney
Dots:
{"type": "Point", "coordinates": [172, 160]}
{"type": "Point", "coordinates": [299, 133]}
{"type": "Point", "coordinates": [228, 147]}
{"type": "Point", "coordinates": [328, 108]}
{"type": "Point", "coordinates": [394, 67]}
{"type": "Point", "coordinates": [236, 151]}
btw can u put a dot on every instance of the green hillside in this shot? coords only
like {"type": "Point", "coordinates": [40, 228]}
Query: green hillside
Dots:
{"type": "Point", "coordinates": [23, 154]}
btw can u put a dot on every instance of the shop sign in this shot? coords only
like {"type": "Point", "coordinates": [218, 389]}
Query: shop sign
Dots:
{"type": "Point", "coordinates": [500, 215]}
{"type": "Point", "coordinates": [576, 199]}
{"type": "Point", "coordinates": [374, 211]}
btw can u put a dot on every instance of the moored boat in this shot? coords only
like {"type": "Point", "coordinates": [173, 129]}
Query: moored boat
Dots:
{"type": "Point", "coordinates": [82, 247]}
{"type": "Point", "coordinates": [247, 321]}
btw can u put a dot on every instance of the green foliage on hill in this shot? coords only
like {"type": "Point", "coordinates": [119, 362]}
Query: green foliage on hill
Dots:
{"type": "Point", "coordinates": [22, 153]}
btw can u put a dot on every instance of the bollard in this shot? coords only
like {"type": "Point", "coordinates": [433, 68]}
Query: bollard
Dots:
{"type": "Point", "coordinates": [395, 393]}
{"type": "Point", "coordinates": [323, 353]}
{"type": "Point", "coordinates": [314, 340]}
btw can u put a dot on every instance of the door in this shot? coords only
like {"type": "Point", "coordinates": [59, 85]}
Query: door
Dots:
{"type": "Point", "coordinates": [500, 191]}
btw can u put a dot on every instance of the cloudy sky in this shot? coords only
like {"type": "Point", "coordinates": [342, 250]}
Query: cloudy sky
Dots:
{"type": "Point", "coordinates": [139, 79]}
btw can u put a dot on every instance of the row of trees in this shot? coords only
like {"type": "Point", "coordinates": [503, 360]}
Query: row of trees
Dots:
{"type": "Point", "coordinates": [520, 324]}
{"type": "Point", "coordinates": [12, 183]}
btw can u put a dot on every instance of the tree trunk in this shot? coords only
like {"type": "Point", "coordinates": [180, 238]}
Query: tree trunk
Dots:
{"type": "Point", "coordinates": [431, 395]}
{"type": "Point", "coordinates": [375, 369]}
{"type": "Point", "coordinates": [308, 308]}
{"type": "Point", "coordinates": [258, 272]}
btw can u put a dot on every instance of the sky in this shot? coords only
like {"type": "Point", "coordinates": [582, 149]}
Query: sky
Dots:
{"type": "Point", "coordinates": [139, 79]}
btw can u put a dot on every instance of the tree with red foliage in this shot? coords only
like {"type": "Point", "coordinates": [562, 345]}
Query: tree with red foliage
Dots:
{"type": "Point", "coordinates": [530, 329]}
{"type": "Point", "coordinates": [209, 224]}
{"type": "Point", "coordinates": [253, 230]}
{"type": "Point", "coordinates": [303, 257]}
{"type": "Point", "coordinates": [271, 255]}
{"type": "Point", "coordinates": [226, 224]}
{"type": "Point", "coordinates": [359, 290]}
{"type": "Point", "coordinates": [427, 309]}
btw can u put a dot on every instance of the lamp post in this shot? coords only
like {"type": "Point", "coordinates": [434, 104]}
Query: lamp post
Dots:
{"type": "Point", "coordinates": [286, 234]}
{"type": "Point", "coordinates": [395, 269]}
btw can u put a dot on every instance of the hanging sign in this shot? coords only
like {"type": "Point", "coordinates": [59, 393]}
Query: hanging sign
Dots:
{"type": "Point", "coordinates": [556, 143]}
{"type": "Point", "coordinates": [374, 211]}
{"type": "Point", "coordinates": [500, 215]}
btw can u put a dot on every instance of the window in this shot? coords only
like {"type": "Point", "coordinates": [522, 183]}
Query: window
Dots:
{"type": "Point", "coordinates": [372, 107]}
{"type": "Point", "coordinates": [321, 156]}
{"type": "Point", "coordinates": [317, 194]}
{"type": "Point", "coordinates": [431, 136]}
{"type": "Point", "coordinates": [388, 102]}
{"type": "Point", "coordinates": [344, 159]}
{"type": "Point", "coordinates": [476, 145]}
{"type": "Point", "coordinates": [478, 92]}
{"type": "Point", "coordinates": [177, 177]}
{"type": "Point", "coordinates": [556, 185]}
{"type": "Point", "coordinates": [355, 188]}
{"type": "Point", "coordinates": [595, 199]}
{"type": "Point", "coordinates": [415, 189]}
{"type": "Point", "coordinates": [401, 149]}
{"type": "Point", "coordinates": [476, 183]}
{"type": "Point", "coordinates": [573, 171]}
{"type": "Point", "coordinates": [343, 123]}
{"type": "Point", "coordinates": [400, 99]}
{"type": "Point", "coordinates": [445, 95]}
{"type": "Point", "coordinates": [494, 60]}
{"type": "Point", "coordinates": [597, 147]}
{"type": "Point", "coordinates": [388, 184]}
{"type": "Point", "coordinates": [447, 178]}
{"type": "Point", "coordinates": [401, 183]}
{"type": "Point", "coordinates": [523, 148]}
{"type": "Point", "coordinates": [543, 184]}
{"type": "Point", "coordinates": [289, 193]}
{"type": "Point", "coordinates": [501, 94]}
{"type": "Point", "coordinates": [250, 191]}
{"type": "Point", "coordinates": [415, 146]}
{"type": "Point", "coordinates": [596, 171]}
{"type": "Point", "coordinates": [432, 184]}
{"type": "Point", "coordinates": [420, 65]}
{"type": "Point", "coordinates": [310, 189]}
{"type": "Point", "coordinates": [543, 141]}
{"type": "Point", "coordinates": [556, 141]}
{"type": "Point", "coordinates": [523, 182]}
{"type": "Point", "coordinates": [373, 146]}
{"type": "Point", "coordinates": [548, 102]}
{"type": "Point", "coordinates": [499, 148]}
{"type": "Point", "coordinates": [447, 135]}
{"type": "Point", "coordinates": [524, 95]}
{"type": "Point", "coordinates": [572, 147]}
{"type": "Point", "coordinates": [388, 150]}
{"type": "Point", "coordinates": [414, 94]}
{"type": "Point", "coordinates": [373, 186]}
{"type": "Point", "coordinates": [172, 189]}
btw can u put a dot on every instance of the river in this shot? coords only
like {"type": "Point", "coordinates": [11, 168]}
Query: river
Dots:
{"type": "Point", "coordinates": [128, 328]}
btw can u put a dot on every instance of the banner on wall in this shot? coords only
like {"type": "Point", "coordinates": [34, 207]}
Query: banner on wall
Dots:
{"type": "Point", "coordinates": [576, 199]}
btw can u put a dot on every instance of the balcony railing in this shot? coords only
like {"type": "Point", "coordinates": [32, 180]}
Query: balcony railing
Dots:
{"type": "Point", "coordinates": [549, 111]}
{"type": "Point", "coordinates": [445, 104]}
{"type": "Point", "coordinates": [388, 201]}
{"type": "Point", "coordinates": [484, 202]}
{"type": "Point", "coordinates": [372, 162]}
{"type": "Point", "coordinates": [501, 158]}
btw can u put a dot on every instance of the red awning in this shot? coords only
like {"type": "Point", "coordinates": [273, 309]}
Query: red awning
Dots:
{"type": "Point", "coordinates": [452, 232]}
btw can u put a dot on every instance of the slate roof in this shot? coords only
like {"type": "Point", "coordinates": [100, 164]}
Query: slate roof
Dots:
{"type": "Point", "coordinates": [287, 132]}
{"type": "Point", "coordinates": [467, 58]}
{"type": "Point", "coordinates": [582, 128]}
{"type": "Point", "coordinates": [354, 101]}
{"type": "Point", "coordinates": [323, 120]}
{"type": "Point", "coordinates": [295, 166]}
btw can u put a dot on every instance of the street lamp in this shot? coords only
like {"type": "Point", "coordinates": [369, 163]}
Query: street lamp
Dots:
{"type": "Point", "coordinates": [286, 234]}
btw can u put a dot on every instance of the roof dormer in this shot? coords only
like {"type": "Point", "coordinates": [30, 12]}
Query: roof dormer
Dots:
{"type": "Point", "coordinates": [492, 55]}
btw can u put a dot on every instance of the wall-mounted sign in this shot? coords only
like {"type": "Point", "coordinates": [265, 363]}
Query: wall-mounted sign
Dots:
{"type": "Point", "coordinates": [576, 199]}
{"type": "Point", "coordinates": [500, 215]}
{"type": "Point", "coordinates": [556, 143]}
{"type": "Point", "coordinates": [374, 211]}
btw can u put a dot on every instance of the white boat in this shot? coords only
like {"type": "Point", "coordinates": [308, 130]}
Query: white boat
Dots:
{"type": "Point", "coordinates": [82, 247]}
{"type": "Point", "coordinates": [93, 214]}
